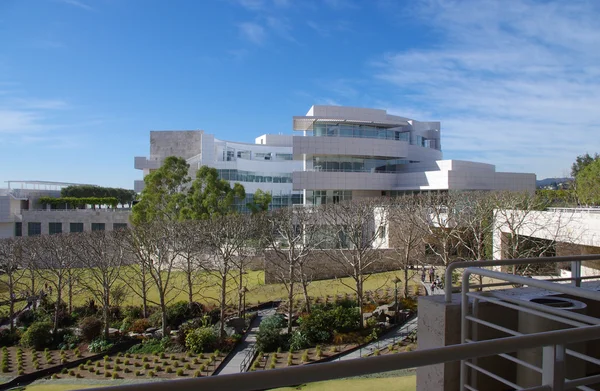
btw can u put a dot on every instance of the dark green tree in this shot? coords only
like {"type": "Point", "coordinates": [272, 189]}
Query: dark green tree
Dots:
{"type": "Point", "coordinates": [260, 202]}
{"type": "Point", "coordinates": [210, 196]}
{"type": "Point", "coordinates": [581, 162]}
{"type": "Point", "coordinates": [163, 197]}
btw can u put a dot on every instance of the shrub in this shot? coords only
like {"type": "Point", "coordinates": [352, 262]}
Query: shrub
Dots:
{"type": "Point", "coordinates": [126, 324]}
{"type": "Point", "coordinates": [305, 356]}
{"type": "Point", "coordinates": [299, 340]}
{"type": "Point", "coordinates": [140, 325]}
{"type": "Point", "coordinates": [8, 338]}
{"type": "Point", "coordinates": [150, 346]}
{"type": "Point", "coordinates": [180, 372]}
{"type": "Point", "coordinates": [169, 370]}
{"type": "Point", "coordinates": [137, 373]}
{"type": "Point", "coordinates": [133, 312]}
{"type": "Point", "coordinates": [81, 366]}
{"type": "Point", "coordinates": [197, 374]}
{"type": "Point", "coordinates": [71, 373]}
{"type": "Point", "coordinates": [38, 335]}
{"type": "Point", "coordinates": [158, 368]}
{"type": "Point", "coordinates": [127, 362]}
{"type": "Point", "coordinates": [155, 319]}
{"type": "Point", "coordinates": [64, 371]}
{"type": "Point", "coordinates": [202, 367]}
{"type": "Point", "coordinates": [88, 362]}
{"type": "Point", "coordinates": [269, 336]}
{"type": "Point", "coordinates": [290, 359]}
{"type": "Point", "coordinates": [91, 328]}
{"type": "Point", "coordinates": [118, 368]}
{"type": "Point", "coordinates": [117, 360]}
{"type": "Point", "coordinates": [115, 375]}
{"type": "Point", "coordinates": [99, 346]}
{"type": "Point", "coordinates": [200, 339]}
{"type": "Point", "coordinates": [376, 352]}
{"type": "Point", "coordinates": [187, 366]}
{"type": "Point", "coordinates": [146, 366]}
{"type": "Point", "coordinates": [21, 372]}
{"type": "Point", "coordinates": [151, 374]}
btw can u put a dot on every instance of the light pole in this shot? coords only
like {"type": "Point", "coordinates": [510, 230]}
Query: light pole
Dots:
{"type": "Point", "coordinates": [396, 281]}
{"type": "Point", "coordinates": [243, 293]}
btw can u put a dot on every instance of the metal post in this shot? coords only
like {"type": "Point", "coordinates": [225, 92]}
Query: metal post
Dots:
{"type": "Point", "coordinates": [553, 367]}
{"type": "Point", "coordinates": [576, 272]}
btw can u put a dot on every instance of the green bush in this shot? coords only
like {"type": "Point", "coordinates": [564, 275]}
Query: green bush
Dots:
{"type": "Point", "coordinates": [324, 321]}
{"type": "Point", "coordinates": [269, 336]}
{"type": "Point", "coordinates": [139, 325]}
{"type": "Point", "coordinates": [126, 324]}
{"type": "Point", "coordinates": [180, 372]}
{"type": "Point", "coordinates": [200, 339]}
{"type": "Point", "coordinates": [150, 346]}
{"type": "Point", "coordinates": [37, 336]}
{"type": "Point", "coordinates": [99, 346]}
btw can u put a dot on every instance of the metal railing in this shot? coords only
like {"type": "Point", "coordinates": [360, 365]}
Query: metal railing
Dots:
{"type": "Point", "coordinates": [263, 380]}
{"type": "Point", "coordinates": [556, 346]}
{"type": "Point", "coordinates": [575, 267]}
{"type": "Point", "coordinates": [551, 362]}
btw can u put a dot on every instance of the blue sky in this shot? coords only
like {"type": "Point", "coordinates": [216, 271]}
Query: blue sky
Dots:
{"type": "Point", "coordinates": [515, 83]}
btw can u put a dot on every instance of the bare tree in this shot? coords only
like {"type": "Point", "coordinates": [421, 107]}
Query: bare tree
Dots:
{"type": "Point", "coordinates": [189, 244]}
{"type": "Point", "coordinates": [290, 239]}
{"type": "Point", "coordinates": [54, 257]}
{"type": "Point", "coordinates": [102, 254]}
{"type": "Point", "coordinates": [354, 239]}
{"type": "Point", "coordinates": [226, 238]}
{"type": "Point", "coordinates": [153, 246]}
{"type": "Point", "coordinates": [11, 266]}
{"type": "Point", "coordinates": [523, 230]}
{"type": "Point", "coordinates": [441, 221]}
{"type": "Point", "coordinates": [407, 231]}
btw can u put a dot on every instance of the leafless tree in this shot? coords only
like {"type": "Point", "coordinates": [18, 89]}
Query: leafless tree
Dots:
{"type": "Point", "coordinates": [441, 221]}
{"type": "Point", "coordinates": [524, 230]}
{"type": "Point", "coordinates": [407, 232]}
{"type": "Point", "coordinates": [225, 239]}
{"type": "Point", "coordinates": [292, 236]}
{"type": "Point", "coordinates": [54, 257]}
{"type": "Point", "coordinates": [102, 254]}
{"type": "Point", "coordinates": [11, 266]}
{"type": "Point", "coordinates": [153, 246]}
{"type": "Point", "coordinates": [354, 230]}
{"type": "Point", "coordinates": [189, 243]}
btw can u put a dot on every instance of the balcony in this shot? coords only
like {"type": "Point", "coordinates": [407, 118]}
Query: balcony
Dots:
{"type": "Point", "coordinates": [537, 335]}
{"type": "Point", "coordinates": [143, 163]}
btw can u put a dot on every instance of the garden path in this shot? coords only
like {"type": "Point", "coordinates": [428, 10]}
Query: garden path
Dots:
{"type": "Point", "coordinates": [236, 357]}
{"type": "Point", "coordinates": [391, 337]}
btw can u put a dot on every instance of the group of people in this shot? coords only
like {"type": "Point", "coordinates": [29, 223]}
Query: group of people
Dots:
{"type": "Point", "coordinates": [434, 280]}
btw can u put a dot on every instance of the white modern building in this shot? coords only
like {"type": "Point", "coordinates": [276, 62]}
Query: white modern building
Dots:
{"type": "Point", "coordinates": [352, 152]}
{"type": "Point", "coordinates": [21, 213]}
{"type": "Point", "coordinates": [266, 165]}
{"type": "Point", "coordinates": [341, 153]}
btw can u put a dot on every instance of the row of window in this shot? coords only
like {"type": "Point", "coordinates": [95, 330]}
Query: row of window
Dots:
{"type": "Point", "coordinates": [251, 176]}
{"type": "Point", "coordinates": [369, 131]}
{"type": "Point", "coordinates": [34, 229]}
{"type": "Point", "coordinates": [320, 197]}
{"type": "Point", "coordinates": [356, 164]}
{"type": "Point", "coordinates": [229, 154]}
{"type": "Point", "coordinates": [277, 202]}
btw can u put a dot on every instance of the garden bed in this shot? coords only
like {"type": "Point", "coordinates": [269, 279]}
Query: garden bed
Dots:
{"type": "Point", "coordinates": [25, 361]}
{"type": "Point", "coordinates": [301, 357]}
{"type": "Point", "coordinates": [138, 366]}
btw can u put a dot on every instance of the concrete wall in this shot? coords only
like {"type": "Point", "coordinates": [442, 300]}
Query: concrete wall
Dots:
{"type": "Point", "coordinates": [85, 216]}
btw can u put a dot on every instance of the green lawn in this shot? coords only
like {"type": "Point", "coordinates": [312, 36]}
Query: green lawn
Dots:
{"type": "Point", "coordinates": [258, 292]}
{"type": "Point", "coordinates": [402, 383]}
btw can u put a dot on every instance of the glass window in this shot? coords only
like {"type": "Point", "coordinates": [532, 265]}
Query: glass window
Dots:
{"type": "Point", "coordinates": [34, 229]}
{"type": "Point", "coordinates": [98, 226]}
{"type": "Point", "coordinates": [118, 226]}
{"type": "Point", "coordinates": [18, 229]}
{"type": "Point", "coordinates": [76, 227]}
{"type": "Point", "coordinates": [54, 228]}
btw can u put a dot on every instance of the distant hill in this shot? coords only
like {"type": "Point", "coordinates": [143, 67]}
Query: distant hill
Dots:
{"type": "Point", "coordinates": [551, 181]}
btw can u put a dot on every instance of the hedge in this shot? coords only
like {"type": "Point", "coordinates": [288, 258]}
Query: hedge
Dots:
{"type": "Point", "coordinates": [79, 201]}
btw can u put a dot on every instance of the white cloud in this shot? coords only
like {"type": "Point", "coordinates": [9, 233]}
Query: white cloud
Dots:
{"type": "Point", "coordinates": [77, 3]}
{"type": "Point", "coordinates": [516, 84]}
{"type": "Point", "coordinates": [253, 32]}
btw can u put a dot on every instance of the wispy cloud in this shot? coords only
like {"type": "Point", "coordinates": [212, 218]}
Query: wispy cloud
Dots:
{"type": "Point", "coordinates": [253, 32]}
{"type": "Point", "coordinates": [77, 3]}
{"type": "Point", "coordinates": [516, 84]}
{"type": "Point", "coordinates": [282, 27]}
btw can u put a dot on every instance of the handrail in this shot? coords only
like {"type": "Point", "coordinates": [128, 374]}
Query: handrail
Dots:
{"type": "Point", "coordinates": [509, 262]}
{"type": "Point", "coordinates": [251, 381]}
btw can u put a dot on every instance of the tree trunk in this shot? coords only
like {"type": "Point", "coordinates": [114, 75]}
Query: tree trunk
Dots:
{"type": "Point", "coordinates": [144, 293]}
{"type": "Point", "coordinates": [57, 305]}
{"type": "Point", "coordinates": [11, 306]}
{"type": "Point", "coordinates": [163, 308]}
{"type": "Point", "coordinates": [32, 277]}
{"type": "Point", "coordinates": [105, 315]}
{"type": "Point", "coordinates": [304, 283]}
{"type": "Point", "coordinates": [359, 299]}
{"type": "Point", "coordinates": [223, 300]}
{"type": "Point", "coordinates": [290, 306]}
{"type": "Point", "coordinates": [70, 295]}
{"type": "Point", "coordinates": [190, 285]}
{"type": "Point", "coordinates": [240, 294]}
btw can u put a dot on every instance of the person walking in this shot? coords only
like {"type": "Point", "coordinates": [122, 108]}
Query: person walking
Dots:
{"type": "Point", "coordinates": [431, 274]}
{"type": "Point", "coordinates": [423, 274]}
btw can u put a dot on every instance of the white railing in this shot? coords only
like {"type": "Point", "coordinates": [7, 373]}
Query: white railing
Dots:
{"type": "Point", "coordinates": [554, 359]}
{"type": "Point", "coordinates": [264, 380]}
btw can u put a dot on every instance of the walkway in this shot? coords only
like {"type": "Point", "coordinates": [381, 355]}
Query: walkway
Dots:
{"type": "Point", "coordinates": [244, 348]}
{"type": "Point", "coordinates": [394, 336]}
{"type": "Point", "coordinates": [430, 292]}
